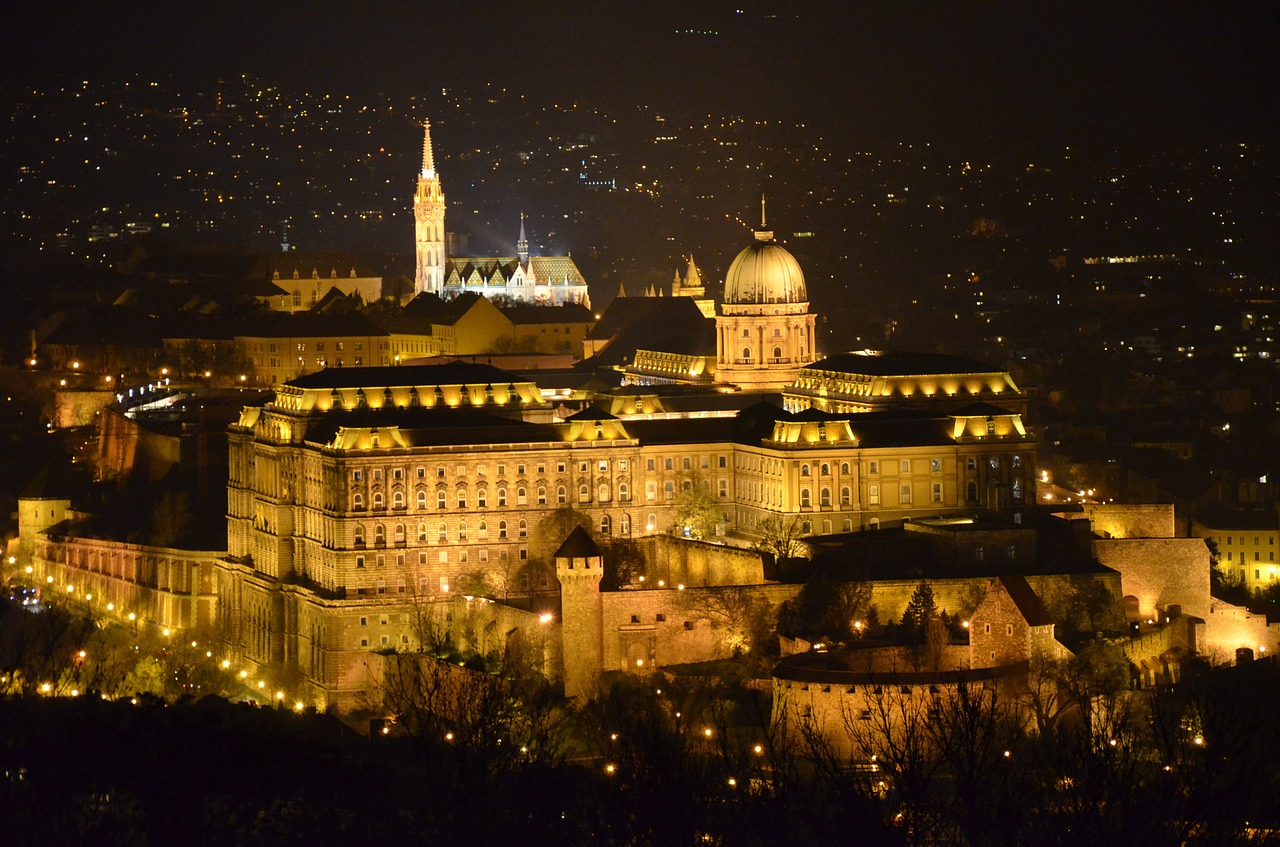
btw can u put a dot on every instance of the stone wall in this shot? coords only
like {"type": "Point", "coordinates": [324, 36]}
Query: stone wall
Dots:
{"type": "Point", "coordinates": [1116, 520]}
{"type": "Point", "coordinates": [1228, 628]}
{"type": "Point", "coordinates": [78, 408]}
{"type": "Point", "coordinates": [1160, 572]}
{"type": "Point", "coordinates": [644, 629]}
{"type": "Point", "coordinates": [679, 561]}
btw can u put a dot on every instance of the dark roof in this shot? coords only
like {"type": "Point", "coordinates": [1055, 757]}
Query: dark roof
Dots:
{"type": "Point", "coordinates": [450, 373]}
{"type": "Point", "coordinates": [980, 410]}
{"type": "Point", "coordinates": [1025, 599]}
{"type": "Point", "coordinates": [664, 324]}
{"type": "Point", "coordinates": [892, 363]}
{"type": "Point", "coordinates": [592, 414]}
{"type": "Point", "coordinates": [1222, 516]}
{"type": "Point", "coordinates": [426, 427]}
{"type": "Point", "coordinates": [578, 546]}
{"type": "Point", "coordinates": [570, 313]}
{"type": "Point", "coordinates": [310, 324]}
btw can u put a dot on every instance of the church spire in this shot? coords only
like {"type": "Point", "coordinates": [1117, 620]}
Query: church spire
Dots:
{"type": "Point", "coordinates": [522, 243]}
{"type": "Point", "coordinates": [428, 159]}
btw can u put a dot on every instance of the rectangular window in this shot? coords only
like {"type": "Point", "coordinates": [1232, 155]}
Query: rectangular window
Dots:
{"type": "Point", "coordinates": [873, 495]}
{"type": "Point", "coordinates": [873, 467]}
{"type": "Point", "coordinates": [937, 492]}
{"type": "Point", "coordinates": [935, 465]}
{"type": "Point", "coordinates": [904, 493]}
{"type": "Point", "coordinates": [359, 561]}
{"type": "Point", "coordinates": [904, 466]}
{"type": "Point", "coordinates": [723, 462]}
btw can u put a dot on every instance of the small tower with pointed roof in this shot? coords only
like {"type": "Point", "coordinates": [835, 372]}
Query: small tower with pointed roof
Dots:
{"type": "Point", "coordinates": [522, 243]}
{"type": "Point", "coordinates": [428, 219]}
{"type": "Point", "coordinates": [579, 567]}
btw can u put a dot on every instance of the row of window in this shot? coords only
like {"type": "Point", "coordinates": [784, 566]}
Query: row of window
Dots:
{"type": "Point", "coordinates": [603, 494]}
{"type": "Point", "coordinates": [1257, 556]}
{"type": "Point", "coordinates": [441, 536]}
{"type": "Point", "coordinates": [376, 474]}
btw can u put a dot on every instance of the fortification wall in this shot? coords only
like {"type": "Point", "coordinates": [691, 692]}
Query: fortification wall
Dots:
{"type": "Point", "coordinates": [78, 408]}
{"type": "Point", "coordinates": [1116, 520]}
{"type": "Point", "coordinates": [1160, 572]}
{"type": "Point", "coordinates": [658, 627]}
{"type": "Point", "coordinates": [680, 561]}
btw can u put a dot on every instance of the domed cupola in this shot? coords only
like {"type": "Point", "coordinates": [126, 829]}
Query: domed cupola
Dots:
{"type": "Point", "coordinates": [764, 332]}
{"type": "Point", "coordinates": [765, 273]}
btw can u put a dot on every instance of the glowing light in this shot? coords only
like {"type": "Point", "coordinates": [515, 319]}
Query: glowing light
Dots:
{"type": "Point", "coordinates": [297, 707]}
{"type": "Point", "coordinates": [964, 624]}
{"type": "Point", "coordinates": [226, 663]}
{"type": "Point", "coordinates": [165, 632]}
{"type": "Point", "coordinates": [759, 749]}
{"type": "Point", "coordinates": [609, 768]}
{"type": "Point", "coordinates": [111, 607]}
{"type": "Point", "coordinates": [46, 688]}
{"type": "Point", "coordinates": [732, 782]}
{"type": "Point", "coordinates": [545, 617]}
{"type": "Point", "coordinates": [707, 732]}
{"type": "Point", "coordinates": [448, 736]}
{"type": "Point", "coordinates": [279, 695]}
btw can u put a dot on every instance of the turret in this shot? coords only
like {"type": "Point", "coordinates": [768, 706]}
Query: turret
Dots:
{"type": "Point", "coordinates": [579, 567]}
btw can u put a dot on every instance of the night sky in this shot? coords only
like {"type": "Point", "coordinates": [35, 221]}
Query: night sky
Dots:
{"type": "Point", "coordinates": [1008, 74]}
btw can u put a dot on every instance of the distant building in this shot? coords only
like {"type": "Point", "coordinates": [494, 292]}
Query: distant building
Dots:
{"type": "Point", "coordinates": [298, 293]}
{"type": "Point", "coordinates": [522, 278]}
{"type": "Point", "coordinates": [1245, 541]}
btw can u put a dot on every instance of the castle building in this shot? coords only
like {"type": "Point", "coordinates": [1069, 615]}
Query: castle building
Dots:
{"type": "Point", "coordinates": [764, 333]}
{"type": "Point", "coordinates": [523, 278]}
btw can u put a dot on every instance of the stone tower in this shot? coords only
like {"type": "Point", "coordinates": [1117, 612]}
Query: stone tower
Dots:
{"type": "Point", "coordinates": [579, 566]}
{"type": "Point", "coordinates": [428, 221]}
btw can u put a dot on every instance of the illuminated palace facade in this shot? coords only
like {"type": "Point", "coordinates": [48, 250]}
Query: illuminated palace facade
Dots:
{"type": "Point", "coordinates": [549, 280]}
{"type": "Point", "coordinates": [357, 494]}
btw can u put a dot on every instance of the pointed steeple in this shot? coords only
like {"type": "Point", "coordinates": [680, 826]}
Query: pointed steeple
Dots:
{"type": "Point", "coordinates": [692, 278]}
{"type": "Point", "coordinates": [675, 284]}
{"type": "Point", "coordinates": [522, 243]}
{"type": "Point", "coordinates": [428, 158]}
{"type": "Point", "coordinates": [622, 290]}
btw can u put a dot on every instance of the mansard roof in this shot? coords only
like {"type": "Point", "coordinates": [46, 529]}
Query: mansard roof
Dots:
{"type": "Point", "coordinates": [455, 372]}
{"type": "Point", "coordinates": [898, 363]}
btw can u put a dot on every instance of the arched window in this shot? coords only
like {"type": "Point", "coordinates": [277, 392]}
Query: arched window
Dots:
{"type": "Point", "coordinates": [846, 497]}
{"type": "Point", "coordinates": [422, 533]}
{"type": "Point", "coordinates": [523, 529]}
{"type": "Point", "coordinates": [826, 469]}
{"type": "Point", "coordinates": [826, 498]}
{"type": "Point", "coordinates": [521, 497]}
{"type": "Point", "coordinates": [462, 498]}
{"type": "Point", "coordinates": [502, 498]}
{"type": "Point", "coordinates": [844, 467]}
{"type": "Point", "coordinates": [624, 493]}
{"type": "Point", "coordinates": [377, 500]}
{"type": "Point", "coordinates": [624, 524]}
{"type": "Point", "coordinates": [482, 531]}
{"type": "Point", "coordinates": [502, 529]}
{"type": "Point", "coordinates": [651, 522]}
{"type": "Point", "coordinates": [602, 495]}
{"type": "Point", "coordinates": [804, 470]}
{"type": "Point", "coordinates": [379, 535]}
{"type": "Point", "coordinates": [462, 530]}
{"type": "Point", "coordinates": [422, 499]}
{"type": "Point", "coordinates": [746, 354]}
{"type": "Point", "coordinates": [562, 496]}
{"type": "Point", "coordinates": [542, 496]}
{"type": "Point", "coordinates": [777, 353]}
{"type": "Point", "coordinates": [482, 498]}
{"type": "Point", "coordinates": [584, 493]}
{"type": "Point", "coordinates": [1017, 490]}
{"type": "Point", "coordinates": [442, 532]}
{"type": "Point", "coordinates": [442, 500]}
{"type": "Point", "coordinates": [397, 500]}
{"type": "Point", "coordinates": [357, 501]}
{"type": "Point", "coordinates": [359, 536]}
{"type": "Point", "coordinates": [606, 525]}
{"type": "Point", "coordinates": [804, 499]}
